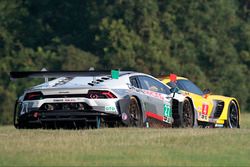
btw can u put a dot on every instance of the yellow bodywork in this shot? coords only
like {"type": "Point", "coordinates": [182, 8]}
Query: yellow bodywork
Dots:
{"type": "Point", "coordinates": [204, 104]}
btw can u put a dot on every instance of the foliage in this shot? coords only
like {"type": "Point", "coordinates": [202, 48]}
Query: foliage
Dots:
{"type": "Point", "coordinates": [207, 42]}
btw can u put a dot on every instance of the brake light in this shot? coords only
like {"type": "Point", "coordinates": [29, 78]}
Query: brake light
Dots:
{"type": "Point", "coordinates": [100, 94]}
{"type": "Point", "coordinates": [109, 94]}
{"type": "Point", "coordinates": [33, 96]}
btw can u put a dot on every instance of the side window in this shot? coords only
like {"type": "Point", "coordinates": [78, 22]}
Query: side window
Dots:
{"type": "Point", "coordinates": [134, 82]}
{"type": "Point", "coordinates": [153, 85]}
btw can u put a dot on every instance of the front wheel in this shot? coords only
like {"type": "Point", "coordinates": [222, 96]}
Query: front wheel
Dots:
{"type": "Point", "coordinates": [233, 115]}
{"type": "Point", "coordinates": [188, 114]}
{"type": "Point", "coordinates": [135, 113]}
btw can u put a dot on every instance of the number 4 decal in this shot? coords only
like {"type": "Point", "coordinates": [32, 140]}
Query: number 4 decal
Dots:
{"type": "Point", "coordinates": [204, 109]}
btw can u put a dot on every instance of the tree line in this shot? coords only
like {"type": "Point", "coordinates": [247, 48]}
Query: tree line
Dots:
{"type": "Point", "coordinates": [207, 41]}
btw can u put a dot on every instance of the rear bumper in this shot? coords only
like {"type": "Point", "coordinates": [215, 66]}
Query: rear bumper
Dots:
{"type": "Point", "coordinates": [81, 118]}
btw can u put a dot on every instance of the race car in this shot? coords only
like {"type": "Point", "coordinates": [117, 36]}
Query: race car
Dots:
{"type": "Point", "coordinates": [93, 99]}
{"type": "Point", "coordinates": [201, 108]}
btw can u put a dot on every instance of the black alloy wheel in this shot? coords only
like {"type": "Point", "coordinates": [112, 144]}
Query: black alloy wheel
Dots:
{"type": "Point", "coordinates": [233, 115]}
{"type": "Point", "coordinates": [188, 114]}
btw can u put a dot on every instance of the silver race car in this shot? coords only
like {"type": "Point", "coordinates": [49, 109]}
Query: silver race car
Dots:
{"type": "Point", "coordinates": [95, 99]}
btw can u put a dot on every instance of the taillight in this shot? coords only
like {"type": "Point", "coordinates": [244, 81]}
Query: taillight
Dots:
{"type": "Point", "coordinates": [100, 94]}
{"type": "Point", "coordinates": [33, 96]}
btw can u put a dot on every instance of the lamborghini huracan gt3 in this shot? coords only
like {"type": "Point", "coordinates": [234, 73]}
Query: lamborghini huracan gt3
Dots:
{"type": "Point", "coordinates": [93, 98]}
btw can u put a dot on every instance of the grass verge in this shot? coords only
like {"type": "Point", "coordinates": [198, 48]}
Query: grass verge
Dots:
{"type": "Point", "coordinates": [126, 147]}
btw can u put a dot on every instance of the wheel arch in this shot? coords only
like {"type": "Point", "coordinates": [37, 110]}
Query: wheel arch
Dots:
{"type": "Point", "coordinates": [227, 105]}
{"type": "Point", "coordinates": [237, 104]}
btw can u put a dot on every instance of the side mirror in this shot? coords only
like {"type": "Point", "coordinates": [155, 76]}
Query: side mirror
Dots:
{"type": "Point", "coordinates": [172, 84]}
{"type": "Point", "coordinates": [174, 90]}
{"type": "Point", "coordinates": [206, 91]}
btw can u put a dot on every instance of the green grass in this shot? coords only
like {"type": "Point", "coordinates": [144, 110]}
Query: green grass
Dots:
{"type": "Point", "coordinates": [126, 147]}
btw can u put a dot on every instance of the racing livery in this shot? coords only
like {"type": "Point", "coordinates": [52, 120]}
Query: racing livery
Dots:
{"type": "Point", "coordinates": [203, 109]}
{"type": "Point", "coordinates": [93, 99]}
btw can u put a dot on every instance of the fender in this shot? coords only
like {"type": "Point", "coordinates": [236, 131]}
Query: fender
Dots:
{"type": "Point", "coordinates": [124, 109]}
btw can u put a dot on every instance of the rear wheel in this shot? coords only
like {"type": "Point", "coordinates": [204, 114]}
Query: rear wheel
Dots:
{"type": "Point", "coordinates": [22, 125]}
{"type": "Point", "coordinates": [188, 114]}
{"type": "Point", "coordinates": [233, 115]}
{"type": "Point", "coordinates": [135, 113]}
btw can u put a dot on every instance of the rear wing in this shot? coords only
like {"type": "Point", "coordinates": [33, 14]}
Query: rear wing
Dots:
{"type": "Point", "coordinates": [57, 74]}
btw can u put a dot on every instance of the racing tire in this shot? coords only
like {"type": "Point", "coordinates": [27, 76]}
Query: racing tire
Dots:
{"type": "Point", "coordinates": [21, 125]}
{"type": "Point", "coordinates": [187, 115]}
{"type": "Point", "coordinates": [233, 116]}
{"type": "Point", "coordinates": [135, 114]}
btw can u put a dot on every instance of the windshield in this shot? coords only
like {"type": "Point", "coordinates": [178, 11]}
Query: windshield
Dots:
{"type": "Point", "coordinates": [189, 86]}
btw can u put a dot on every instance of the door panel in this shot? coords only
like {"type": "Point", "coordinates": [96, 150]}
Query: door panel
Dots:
{"type": "Point", "coordinates": [203, 106]}
{"type": "Point", "coordinates": [155, 92]}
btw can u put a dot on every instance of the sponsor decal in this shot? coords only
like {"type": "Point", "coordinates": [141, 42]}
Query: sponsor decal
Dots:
{"type": "Point", "coordinates": [64, 100]}
{"type": "Point", "coordinates": [219, 125]}
{"type": "Point", "coordinates": [154, 94]}
{"type": "Point", "coordinates": [203, 117]}
{"type": "Point", "coordinates": [167, 111]}
{"type": "Point", "coordinates": [24, 108]}
{"type": "Point", "coordinates": [204, 112]}
{"type": "Point", "coordinates": [110, 108]}
{"type": "Point", "coordinates": [65, 92]}
{"type": "Point", "coordinates": [124, 116]}
{"type": "Point", "coordinates": [204, 109]}
{"type": "Point", "coordinates": [69, 100]}
{"type": "Point", "coordinates": [167, 119]}
{"type": "Point", "coordinates": [58, 100]}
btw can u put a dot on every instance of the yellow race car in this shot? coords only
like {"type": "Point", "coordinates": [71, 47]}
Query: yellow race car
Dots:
{"type": "Point", "coordinates": [203, 109]}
